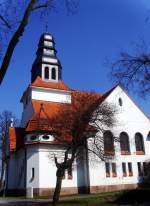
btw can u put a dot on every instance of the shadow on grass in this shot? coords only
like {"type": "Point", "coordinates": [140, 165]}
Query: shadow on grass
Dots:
{"type": "Point", "coordinates": [133, 196]}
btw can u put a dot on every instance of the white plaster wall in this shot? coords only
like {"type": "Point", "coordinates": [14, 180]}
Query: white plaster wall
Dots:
{"type": "Point", "coordinates": [130, 119]}
{"type": "Point", "coordinates": [51, 95]}
{"type": "Point", "coordinates": [47, 43]}
{"type": "Point", "coordinates": [47, 36]}
{"type": "Point", "coordinates": [50, 60]}
{"type": "Point", "coordinates": [48, 52]}
{"type": "Point", "coordinates": [45, 170]}
{"type": "Point", "coordinates": [32, 162]}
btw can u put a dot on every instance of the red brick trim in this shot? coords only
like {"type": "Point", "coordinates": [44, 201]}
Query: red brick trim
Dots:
{"type": "Point", "coordinates": [130, 174]}
{"type": "Point", "coordinates": [140, 152]}
{"type": "Point", "coordinates": [124, 174]}
{"type": "Point", "coordinates": [110, 188]}
{"type": "Point", "coordinates": [114, 174]}
{"type": "Point", "coordinates": [109, 153]}
{"type": "Point", "coordinates": [107, 174]}
{"type": "Point", "coordinates": [71, 190]}
{"type": "Point", "coordinates": [125, 153]}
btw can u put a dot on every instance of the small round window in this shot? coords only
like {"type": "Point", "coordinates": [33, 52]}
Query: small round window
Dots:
{"type": "Point", "coordinates": [120, 102]}
{"type": "Point", "coordinates": [33, 137]}
{"type": "Point", "coordinates": [45, 137]}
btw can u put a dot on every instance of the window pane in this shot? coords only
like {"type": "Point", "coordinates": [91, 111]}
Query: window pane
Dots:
{"type": "Point", "coordinates": [32, 174]}
{"type": "Point", "coordinates": [124, 169]}
{"type": "Point", "coordinates": [46, 74]}
{"type": "Point", "coordinates": [114, 172]}
{"type": "Point", "coordinates": [139, 142]}
{"type": "Point", "coordinates": [124, 143]}
{"type": "Point", "coordinates": [140, 169]}
{"type": "Point", "coordinates": [53, 73]}
{"type": "Point", "coordinates": [130, 169]}
{"type": "Point", "coordinates": [108, 143]}
{"type": "Point", "coordinates": [107, 169]}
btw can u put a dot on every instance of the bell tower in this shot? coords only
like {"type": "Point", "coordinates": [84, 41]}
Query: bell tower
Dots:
{"type": "Point", "coordinates": [46, 65]}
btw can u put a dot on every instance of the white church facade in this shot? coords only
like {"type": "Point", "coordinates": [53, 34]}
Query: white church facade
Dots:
{"type": "Point", "coordinates": [29, 162]}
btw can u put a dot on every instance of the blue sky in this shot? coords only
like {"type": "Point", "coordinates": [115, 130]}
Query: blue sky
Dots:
{"type": "Point", "coordinates": [85, 42]}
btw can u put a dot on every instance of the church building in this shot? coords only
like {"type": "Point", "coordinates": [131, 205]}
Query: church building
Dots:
{"type": "Point", "coordinates": [29, 162]}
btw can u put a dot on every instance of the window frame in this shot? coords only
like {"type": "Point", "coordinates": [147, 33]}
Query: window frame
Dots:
{"type": "Point", "coordinates": [46, 73]}
{"type": "Point", "coordinates": [124, 169]}
{"type": "Point", "coordinates": [139, 144]}
{"type": "Point", "coordinates": [107, 169]}
{"type": "Point", "coordinates": [124, 144]}
{"type": "Point", "coordinates": [32, 174]}
{"type": "Point", "coordinates": [130, 169]}
{"type": "Point", "coordinates": [53, 73]}
{"type": "Point", "coordinates": [114, 169]}
{"type": "Point", "coordinates": [109, 148]}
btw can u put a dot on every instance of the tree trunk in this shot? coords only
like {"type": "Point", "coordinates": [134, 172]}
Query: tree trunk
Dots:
{"type": "Point", "coordinates": [2, 176]}
{"type": "Point", "coordinates": [15, 38]}
{"type": "Point", "coordinates": [57, 188]}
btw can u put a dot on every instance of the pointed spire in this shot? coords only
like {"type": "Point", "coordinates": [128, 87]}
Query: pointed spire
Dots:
{"type": "Point", "coordinates": [46, 64]}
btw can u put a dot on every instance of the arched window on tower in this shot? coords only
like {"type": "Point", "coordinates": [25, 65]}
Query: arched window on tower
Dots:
{"type": "Point", "coordinates": [139, 144]}
{"type": "Point", "coordinates": [46, 73]}
{"type": "Point", "coordinates": [108, 143]}
{"type": "Point", "coordinates": [53, 73]}
{"type": "Point", "coordinates": [124, 143]}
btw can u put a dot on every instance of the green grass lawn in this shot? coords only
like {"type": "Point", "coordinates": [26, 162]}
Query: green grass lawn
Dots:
{"type": "Point", "coordinates": [92, 200]}
{"type": "Point", "coordinates": [126, 197]}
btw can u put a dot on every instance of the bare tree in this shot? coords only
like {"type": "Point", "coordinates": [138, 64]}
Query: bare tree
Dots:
{"type": "Point", "coordinates": [15, 16]}
{"type": "Point", "coordinates": [6, 117]}
{"type": "Point", "coordinates": [133, 71]}
{"type": "Point", "coordinates": [86, 118]}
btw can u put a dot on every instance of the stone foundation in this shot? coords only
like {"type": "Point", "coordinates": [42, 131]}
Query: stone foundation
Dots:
{"type": "Point", "coordinates": [72, 190]}
{"type": "Point", "coordinates": [50, 191]}
{"type": "Point", "coordinates": [111, 188]}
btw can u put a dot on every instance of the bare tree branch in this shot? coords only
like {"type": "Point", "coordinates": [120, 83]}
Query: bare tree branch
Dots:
{"type": "Point", "coordinates": [133, 72]}
{"type": "Point", "coordinates": [44, 5]}
{"type": "Point", "coordinates": [17, 24]}
{"type": "Point", "coordinates": [15, 39]}
{"type": "Point", "coordinates": [5, 22]}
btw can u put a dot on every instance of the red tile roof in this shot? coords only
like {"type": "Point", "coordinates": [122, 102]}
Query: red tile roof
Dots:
{"type": "Point", "coordinates": [44, 111]}
{"type": "Point", "coordinates": [16, 138]}
{"type": "Point", "coordinates": [52, 85]}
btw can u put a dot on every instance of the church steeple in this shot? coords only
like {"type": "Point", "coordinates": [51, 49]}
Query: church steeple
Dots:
{"type": "Point", "coordinates": [46, 64]}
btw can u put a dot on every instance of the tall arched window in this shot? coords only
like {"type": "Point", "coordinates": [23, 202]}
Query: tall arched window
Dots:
{"type": "Point", "coordinates": [108, 143]}
{"type": "Point", "coordinates": [46, 73]}
{"type": "Point", "coordinates": [53, 73]}
{"type": "Point", "coordinates": [124, 143]}
{"type": "Point", "coordinates": [139, 143]}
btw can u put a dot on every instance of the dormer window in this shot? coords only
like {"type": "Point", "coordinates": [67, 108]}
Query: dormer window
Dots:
{"type": "Point", "coordinates": [53, 73]}
{"type": "Point", "coordinates": [33, 137]}
{"type": "Point", "coordinates": [45, 137]}
{"type": "Point", "coordinates": [46, 73]}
